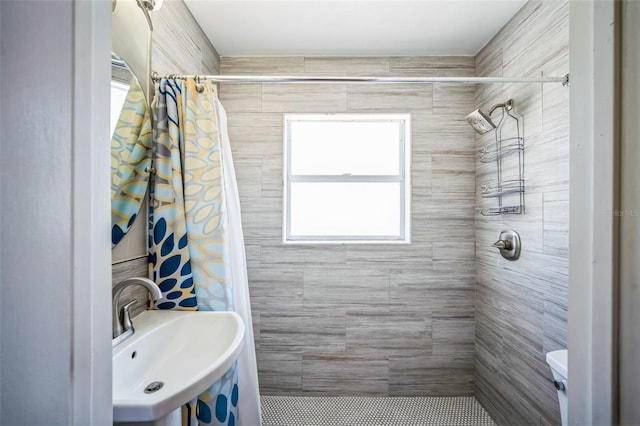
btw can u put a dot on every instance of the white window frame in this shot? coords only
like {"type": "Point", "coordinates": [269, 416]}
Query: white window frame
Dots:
{"type": "Point", "coordinates": [403, 177]}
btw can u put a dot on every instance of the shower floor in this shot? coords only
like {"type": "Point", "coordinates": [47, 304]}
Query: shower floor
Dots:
{"type": "Point", "coordinates": [373, 411]}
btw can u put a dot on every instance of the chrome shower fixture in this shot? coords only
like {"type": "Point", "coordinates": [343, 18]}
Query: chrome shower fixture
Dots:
{"type": "Point", "coordinates": [482, 122]}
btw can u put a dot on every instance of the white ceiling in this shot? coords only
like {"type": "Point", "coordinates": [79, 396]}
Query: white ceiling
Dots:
{"type": "Point", "coordinates": [351, 27]}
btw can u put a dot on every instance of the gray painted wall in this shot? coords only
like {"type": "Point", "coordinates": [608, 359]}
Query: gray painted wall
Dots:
{"type": "Point", "coordinates": [55, 350]}
{"type": "Point", "coordinates": [361, 319]}
{"type": "Point", "coordinates": [44, 219]}
{"type": "Point", "coordinates": [521, 307]}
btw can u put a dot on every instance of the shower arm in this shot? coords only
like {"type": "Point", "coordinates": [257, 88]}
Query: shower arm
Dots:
{"type": "Point", "coordinates": [508, 105]}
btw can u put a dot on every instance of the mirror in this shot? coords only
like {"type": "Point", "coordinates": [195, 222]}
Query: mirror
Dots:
{"type": "Point", "coordinates": [131, 142]}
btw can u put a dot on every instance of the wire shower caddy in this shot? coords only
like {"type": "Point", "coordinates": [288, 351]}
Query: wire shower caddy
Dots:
{"type": "Point", "coordinates": [509, 191]}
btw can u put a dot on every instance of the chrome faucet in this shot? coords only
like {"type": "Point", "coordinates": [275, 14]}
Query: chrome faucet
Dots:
{"type": "Point", "coordinates": [122, 328]}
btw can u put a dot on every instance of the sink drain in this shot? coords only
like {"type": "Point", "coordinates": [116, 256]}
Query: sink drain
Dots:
{"type": "Point", "coordinates": [153, 387]}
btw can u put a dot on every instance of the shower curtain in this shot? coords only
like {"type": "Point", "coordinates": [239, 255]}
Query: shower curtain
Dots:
{"type": "Point", "coordinates": [196, 246]}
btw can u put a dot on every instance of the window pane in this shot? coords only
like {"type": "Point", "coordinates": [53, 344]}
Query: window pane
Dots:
{"type": "Point", "coordinates": [345, 147]}
{"type": "Point", "coordinates": [345, 209]}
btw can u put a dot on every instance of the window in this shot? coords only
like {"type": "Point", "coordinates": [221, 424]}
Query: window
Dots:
{"type": "Point", "coordinates": [346, 178]}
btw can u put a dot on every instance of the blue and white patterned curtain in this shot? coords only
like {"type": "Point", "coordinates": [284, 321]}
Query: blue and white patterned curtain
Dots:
{"type": "Point", "coordinates": [189, 241]}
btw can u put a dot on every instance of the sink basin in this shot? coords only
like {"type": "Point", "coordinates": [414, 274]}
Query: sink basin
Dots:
{"type": "Point", "coordinates": [186, 351]}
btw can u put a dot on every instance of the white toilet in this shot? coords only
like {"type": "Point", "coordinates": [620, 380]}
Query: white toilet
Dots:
{"type": "Point", "coordinates": [557, 360]}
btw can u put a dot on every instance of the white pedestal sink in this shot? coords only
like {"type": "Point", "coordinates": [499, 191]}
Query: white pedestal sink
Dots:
{"type": "Point", "coordinates": [184, 351]}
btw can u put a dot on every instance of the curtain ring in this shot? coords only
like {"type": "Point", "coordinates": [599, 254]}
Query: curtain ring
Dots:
{"type": "Point", "coordinates": [199, 85]}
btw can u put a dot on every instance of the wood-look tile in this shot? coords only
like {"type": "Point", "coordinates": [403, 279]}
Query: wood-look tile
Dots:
{"type": "Point", "coordinates": [453, 176]}
{"type": "Point", "coordinates": [488, 343]}
{"type": "Point", "coordinates": [441, 142]}
{"type": "Point", "coordinates": [308, 331]}
{"type": "Point", "coordinates": [488, 95]}
{"type": "Point", "coordinates": [432, 66]}
{"type": "Point", "coordinates": [253, 141]}
{"type": "Point", "coordinates": [428, 122]}
{"type": "Point", "coordinates": [555, 114]}
{"type": "Point", "coordinates": [421, 171]}
{"type": "Point", "coordinates": [129, 269]}
{"type": "Point", "coordinates": [442, 134]}
{"type": "Point", "coordinates": [344, 287]}
{"type": "Point", "coordinates": [399, 254]}
{"type": "Point", "coordinates": [396, 333]}
{"type": "Point", "coordinates": [279, 373]}
{"type": "Point", "coordinates": [556, 223]}
{"type": "Point", "coordinates": [539, 39]}
{"type": "Point", "coordinates": [210, 59]}
{"type": "Point", "coordinates": [526, 13]}
{"type": "Point", "coordinates": [556, 296]}
{"type": "Point", "coordinates": [249, 175]}
{"type": "Point", "coordinates": [445, 250]}
{"type": "Point", "coordinates": [525, 334]}
{"type": "Point", "coordinates": [445, 210]}
{"type": "Point", "coordinates": [288, 254]}
{"type": "Point", "coordinates": [252, 254]}
{"type": "Point", "coordinates": [341, 65]}
{"type": "Point", "coordinates": [273, 290]}
{"type": "Point", "coordinates": [492, 399]}
{"type": "Point", "coordinates": [454, 164]}
{"type": "Point", "coordinates": [262, 65]}
{"type": "Point", "coordinates": [452, 98]}
{"type": "Point", "coordinates": [387, 98]}
{"type": "Point", "coordinates": [453, 333]}
{"type": "Point", "coordinates": [245, 97]}
{"type": "Point", "coordinates": [272, 178]}
{"type": "Point", "coordinates": [431, 227]}
{"type": "Point", "coordinates": [489, 62]}
{"type": "Point", "coordinates": [176, 41]}
{"type": "Point", "coordinates": [261, 220]}
{"type": "Point", "coordinates": [446, 186]}
{"type": "Point", "coordinates": [304, 98]}
{"type": "Point", "coordinates": [408, 284]}
{"type": "Point", "coordinates": [411, 296]}
{"type": "Point", "coordinates": [529, 370]}
{"type": "Point", "coordinates": [521, 306]}
{"type": "Point", "coordinates": [527, 104]}
{"type": "Point", "coordinates": [556, 270]}
{"type": "Point", "coordinates": [552, 166]}
{"type": "Point", "coordinates": [555, 324]}
{"type": "Point", "coordinates": [353, 294]}
{"type": "Point", "coordinates": [436, 375]}
{"type": "Point", "coordinates": [450, 255]}
{"type": "Point", "coordinates": [341, 375]}
{"type": "Point", "coordinates": [254, 119]}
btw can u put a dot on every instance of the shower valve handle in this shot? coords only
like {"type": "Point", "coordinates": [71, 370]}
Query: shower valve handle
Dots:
{"type": "Point", "coordinates": [502, 244]}
{"type": "Point", "coordinates": [509, 244]}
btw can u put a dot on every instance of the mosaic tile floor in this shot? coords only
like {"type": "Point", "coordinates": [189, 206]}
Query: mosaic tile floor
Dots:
{"type": "Point", "coordinates": [373, 411]}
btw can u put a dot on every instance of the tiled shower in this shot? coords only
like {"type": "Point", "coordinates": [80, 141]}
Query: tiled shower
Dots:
{"type": "Point", "coordinates": [388, 320]}
{"type": "Point", "coordinates": [444, 315]}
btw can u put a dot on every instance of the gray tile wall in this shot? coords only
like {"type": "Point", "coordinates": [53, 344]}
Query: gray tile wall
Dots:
{"type": "Point", "coordinates": [361, 319]}
{"type": "Point", "coordinates": [132, 268]}
{"type": "Point", "coordinates": [178, 46]}
{"type": "Point", "coordinates": [521, 307]}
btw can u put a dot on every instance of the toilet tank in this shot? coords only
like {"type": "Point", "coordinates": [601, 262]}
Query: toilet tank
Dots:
{"type": "Point", "coordinates": [558, 361]}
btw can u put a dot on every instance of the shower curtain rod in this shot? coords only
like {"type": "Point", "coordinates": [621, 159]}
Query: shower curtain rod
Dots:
{"type": "Point", "coordinates": [342, 79]}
